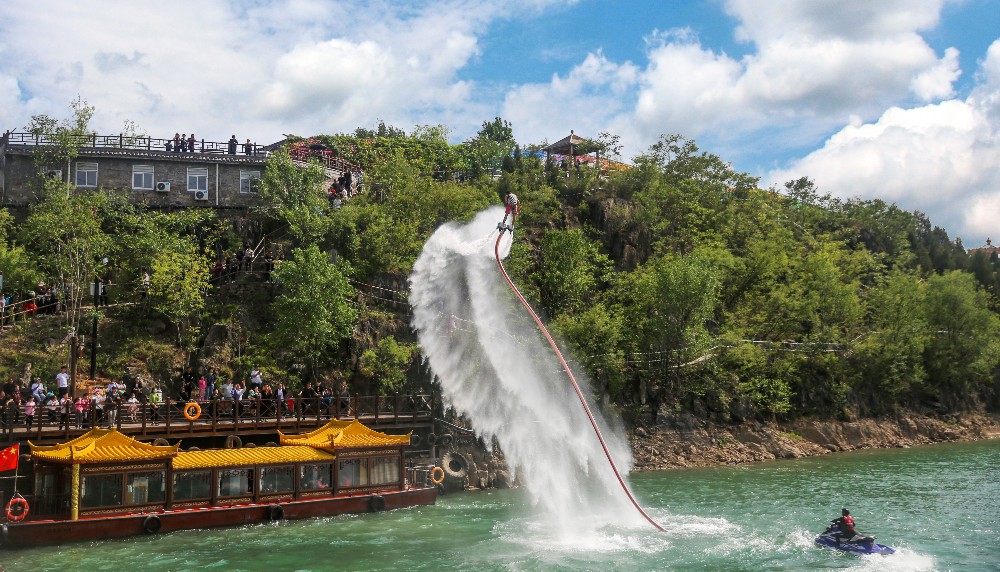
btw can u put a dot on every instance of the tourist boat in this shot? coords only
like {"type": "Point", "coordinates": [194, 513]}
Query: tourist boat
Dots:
{"type": "Point", "coordinates": [104, 484]}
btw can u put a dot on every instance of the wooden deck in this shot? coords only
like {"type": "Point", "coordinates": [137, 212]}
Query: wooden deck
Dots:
{"type": "Point", "coordinates": [219, 419]}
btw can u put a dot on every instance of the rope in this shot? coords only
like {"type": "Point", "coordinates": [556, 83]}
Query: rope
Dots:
{"type": "Point", "coordinates": [576, 387]}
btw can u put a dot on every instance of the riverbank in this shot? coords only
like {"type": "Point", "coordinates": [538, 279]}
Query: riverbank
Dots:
{"type": "Point", "coordinates": [685, 441]}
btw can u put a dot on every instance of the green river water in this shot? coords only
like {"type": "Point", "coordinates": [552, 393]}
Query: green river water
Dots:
{"type": "Point", "coordinates": [938, 504]}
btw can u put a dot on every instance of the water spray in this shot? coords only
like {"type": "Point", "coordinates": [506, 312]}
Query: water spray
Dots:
{"type": "Point", "coordinates": [569, 373]}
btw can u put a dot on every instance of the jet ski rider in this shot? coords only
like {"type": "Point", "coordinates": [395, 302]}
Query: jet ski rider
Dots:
{"type": "Point", "coordinates": [846, 525]}
{"type": "Point", "coordinates": [513, 209]}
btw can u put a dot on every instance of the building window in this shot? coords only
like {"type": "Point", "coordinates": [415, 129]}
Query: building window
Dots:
{"type": "Point", "coordinates": [277, 479]}
{"type": "Point", "coordinates": [314, 477]}
{"type": "Point", "coordinates": [86, 174]}
{"type": "Point", "coordinates": [352, 473]}
{"type": "Point", "coordinates": [384, 470]}
{"type": "Point", "coordinates": [192, 485]}
{"type": "Point", "coordinates": [145, 488]}
{"type": "Point", "coordinates": [235, 482]}
{"type": "Point", "coordinates": [142, 177]}
{"type": "Point", "coordinates": [249, 181]}
{"type": "Point", "coordinates": [198, 179]}
{"type": "Point", "coordinates": [100, 490]}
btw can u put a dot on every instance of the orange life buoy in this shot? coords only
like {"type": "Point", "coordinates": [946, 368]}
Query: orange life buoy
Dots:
{"type": "Point", "coordinates": [17, 509]}
{"type": "Point", "coordinates": [192, 411]}
{"type": "Point", "coordinates": [437, 475]}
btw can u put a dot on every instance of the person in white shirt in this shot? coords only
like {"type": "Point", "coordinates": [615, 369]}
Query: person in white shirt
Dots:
{"type": "Point", "coordinates": [62, 381]}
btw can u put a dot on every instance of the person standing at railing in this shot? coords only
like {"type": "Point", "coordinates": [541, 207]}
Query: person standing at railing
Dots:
{"type": "Point", "coordinates": [233, 143]}
{"type": "Point", "coordinates": [184, 142]}
{"type": "Point", "coordinates": [62, 381]}
{"type": "Point", "coordinates": [177, 143]}
{"type": "Point", "coordinates": [248, 147]}
{"type": "Point", "coordinates": [191, 141]}
{"type": "Point", "coordinates": [3, 308]}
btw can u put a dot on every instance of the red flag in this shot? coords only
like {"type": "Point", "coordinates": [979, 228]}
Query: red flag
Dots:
{"type": "Point", "coordinates": [9, 457]}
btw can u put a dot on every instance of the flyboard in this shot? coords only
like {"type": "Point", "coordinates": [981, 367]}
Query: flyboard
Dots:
{"type": "Point", "coordinates": [513, 210]}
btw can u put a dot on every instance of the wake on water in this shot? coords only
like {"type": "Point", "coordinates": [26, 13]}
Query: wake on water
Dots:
{"type": "Point", "coordinates": [495, 369]}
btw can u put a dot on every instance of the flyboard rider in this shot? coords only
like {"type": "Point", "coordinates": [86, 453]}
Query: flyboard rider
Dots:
{"type": "Point", "coordinates": [513, 209]}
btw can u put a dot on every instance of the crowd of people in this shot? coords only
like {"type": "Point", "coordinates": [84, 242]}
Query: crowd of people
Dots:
{"type": "Point", "coordinates": [130, 398]}
{"type": "Point", "coordinates": [184, 143]}
{"type": "Point", "coordinates": [245, 259]}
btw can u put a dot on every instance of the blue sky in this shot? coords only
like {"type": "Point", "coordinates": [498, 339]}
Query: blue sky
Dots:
{"type": "Point", "coordinates": [895, 99]}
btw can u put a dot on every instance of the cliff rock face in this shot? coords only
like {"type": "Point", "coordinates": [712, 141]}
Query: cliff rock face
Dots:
{"type": "Point", "coordinates": [684, 441]}
{"type": "Point", "coordinates": [626, 240]}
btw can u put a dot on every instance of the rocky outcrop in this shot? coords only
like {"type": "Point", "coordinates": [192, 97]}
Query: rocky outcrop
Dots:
{"type": "Point", "coordinates": [684, 441]}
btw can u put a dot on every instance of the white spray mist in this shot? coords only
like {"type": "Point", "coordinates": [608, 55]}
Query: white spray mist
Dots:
{"type": "Point", "coordinates": [496, 369]}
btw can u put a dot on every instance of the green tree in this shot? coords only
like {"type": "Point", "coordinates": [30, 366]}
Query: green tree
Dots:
{"type": "Point", "coordinates": [312, 312]}
{"type": "Point", "coordinates": [570, 271]}
{"type": "Point", "coordinates": [178, 283]}
{"type": "Point", "coordinates": [296, 194]}
{"type": "Point", "coordinates": [386, 363]}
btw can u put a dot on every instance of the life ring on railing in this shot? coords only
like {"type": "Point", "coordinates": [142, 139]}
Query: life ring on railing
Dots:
{"type": "Point", "coordinates": [275, 512]}
{"type": "Point", "coordinates": [437, 475]}
{"type": "Point", "coordinates": [17, 509]}
{"type": "Point", "coordinates": [234, 442]}
{"type": "Point", "coordinates": [377, 503]}
{"type": "Point", "coordinates": [192, 411]}
{"type": "Point", "coordinates": [152, 524]}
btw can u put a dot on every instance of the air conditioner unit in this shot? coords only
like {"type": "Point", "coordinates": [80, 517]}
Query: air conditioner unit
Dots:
{"type": "Point", "coordinates": [53, 174]}
{"type": "Point", "coordinates": [163, 187]}
{"type": "Point", "coordinates": [201, 195]}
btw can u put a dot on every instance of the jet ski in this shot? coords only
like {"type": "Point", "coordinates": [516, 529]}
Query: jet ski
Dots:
{"type": "Point", "coordinates": [858, 545]}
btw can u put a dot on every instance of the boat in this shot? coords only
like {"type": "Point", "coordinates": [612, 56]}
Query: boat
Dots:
{"type": "Point", "coordinates": [105, 484]}
{"type": "Point", "coordinates": [858, 545]}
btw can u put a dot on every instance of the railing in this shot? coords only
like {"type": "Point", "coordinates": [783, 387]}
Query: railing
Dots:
{"type": "Point", "coordinates": [324, 158]}
{"type": "Point", "coordinates": [167, 419]}
{"type": "Point", "coordinates": [135, 142]}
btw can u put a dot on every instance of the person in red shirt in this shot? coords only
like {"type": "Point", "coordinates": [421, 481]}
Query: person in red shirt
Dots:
{"type": "Point", "coordinates": [846, 525]}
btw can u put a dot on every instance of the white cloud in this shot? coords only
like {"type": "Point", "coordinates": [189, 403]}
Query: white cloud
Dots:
{"type": "Point", "coordinates": [940, 158]}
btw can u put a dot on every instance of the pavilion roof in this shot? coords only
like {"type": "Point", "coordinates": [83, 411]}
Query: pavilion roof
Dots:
{"type": "Point", "coordinates": [344, 435]}
{"type": "Point", "coordinates": [101, 446]}
{"type": "Point", "coordinates": [563, 146]}
{"type": "Point", "coordinates": [248, 456]}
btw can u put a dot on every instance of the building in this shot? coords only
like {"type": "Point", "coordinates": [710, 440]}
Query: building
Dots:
{"type": "Point", "coordinates": [210, 174]}
{"type": "Point", "coordinates": [989, 249]}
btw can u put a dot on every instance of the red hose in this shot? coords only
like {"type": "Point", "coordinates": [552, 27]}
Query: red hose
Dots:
{"type": "Point", "coordinates": [576, 387]}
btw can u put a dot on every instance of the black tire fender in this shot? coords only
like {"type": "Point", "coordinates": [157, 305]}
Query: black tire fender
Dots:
{"type": "Point", "coordinates": [432, 439]}
{"type": "Point", "coordinates": [377, 503]}
{"type": "Point", "coordinates": [275, 512]}
{"type": "Point", "coordinates": [234, 442]}
{"type": "Point", "coordinates": [160, 442]}
{"type": "Point", "coordinates": [455, 465]}
{"type": "Point", "coordinates": [152, 524]}
{"type": "Point", "coordinates": [414, 440]}
{"type": "Point", "coordinates": [446, 440]}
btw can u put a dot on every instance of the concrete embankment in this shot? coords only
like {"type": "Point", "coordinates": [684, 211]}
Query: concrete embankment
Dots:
{"type": "Point", "coordinates": [685, 441]}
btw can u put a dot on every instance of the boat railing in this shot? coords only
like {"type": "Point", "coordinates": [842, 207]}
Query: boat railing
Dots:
{"type": "Point", "coordinates": [168, 418]}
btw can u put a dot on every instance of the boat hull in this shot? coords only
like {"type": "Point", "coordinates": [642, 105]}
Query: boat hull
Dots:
{"type": "Point", "coordinates": [47, 532]}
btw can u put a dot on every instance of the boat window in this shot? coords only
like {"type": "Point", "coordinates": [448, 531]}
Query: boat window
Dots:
{"type": "Point", "coordinates": [100, 490]}
{"type": "Point", "coordinates": [235, 482]}
{"type": "Point", "coordinates": [145, 488]}
{"type": "Point", "coordinates": [314, 477]}
{"type": "Point", "coordinates": [384, 470]}
{"type": "Point", "coordinates": [192, 485]}
{"type": "Point", "coordinates": [352, 473]}
{"type": "Point", "coordinates": [277, 479]}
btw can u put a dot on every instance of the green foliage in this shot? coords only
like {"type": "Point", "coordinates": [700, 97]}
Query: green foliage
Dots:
{"type": "Point", "coordinates": [386, 364]}
{"type": "Point", "coordinates": [296, 195]}
{"type": "Point", "coordinates": [177, 285]}
{"type": "Point", "coordinates": [570, 271]}
{"type": "Point", "coordinates": [596, 337]}
{"type": "Point", "coordinates": [312, 312]}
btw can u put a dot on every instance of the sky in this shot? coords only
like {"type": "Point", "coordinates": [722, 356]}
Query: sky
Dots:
{"type": "Point", "coordinates": [896, 99]}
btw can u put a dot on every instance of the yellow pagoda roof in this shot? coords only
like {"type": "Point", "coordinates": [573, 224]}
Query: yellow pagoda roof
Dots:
{"type": "Point", "coordinates": [344, 435]}
{"type": "Point", "coordinates": [101, 446]}
{"type": "Point", "coordinates": [248, 456]}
